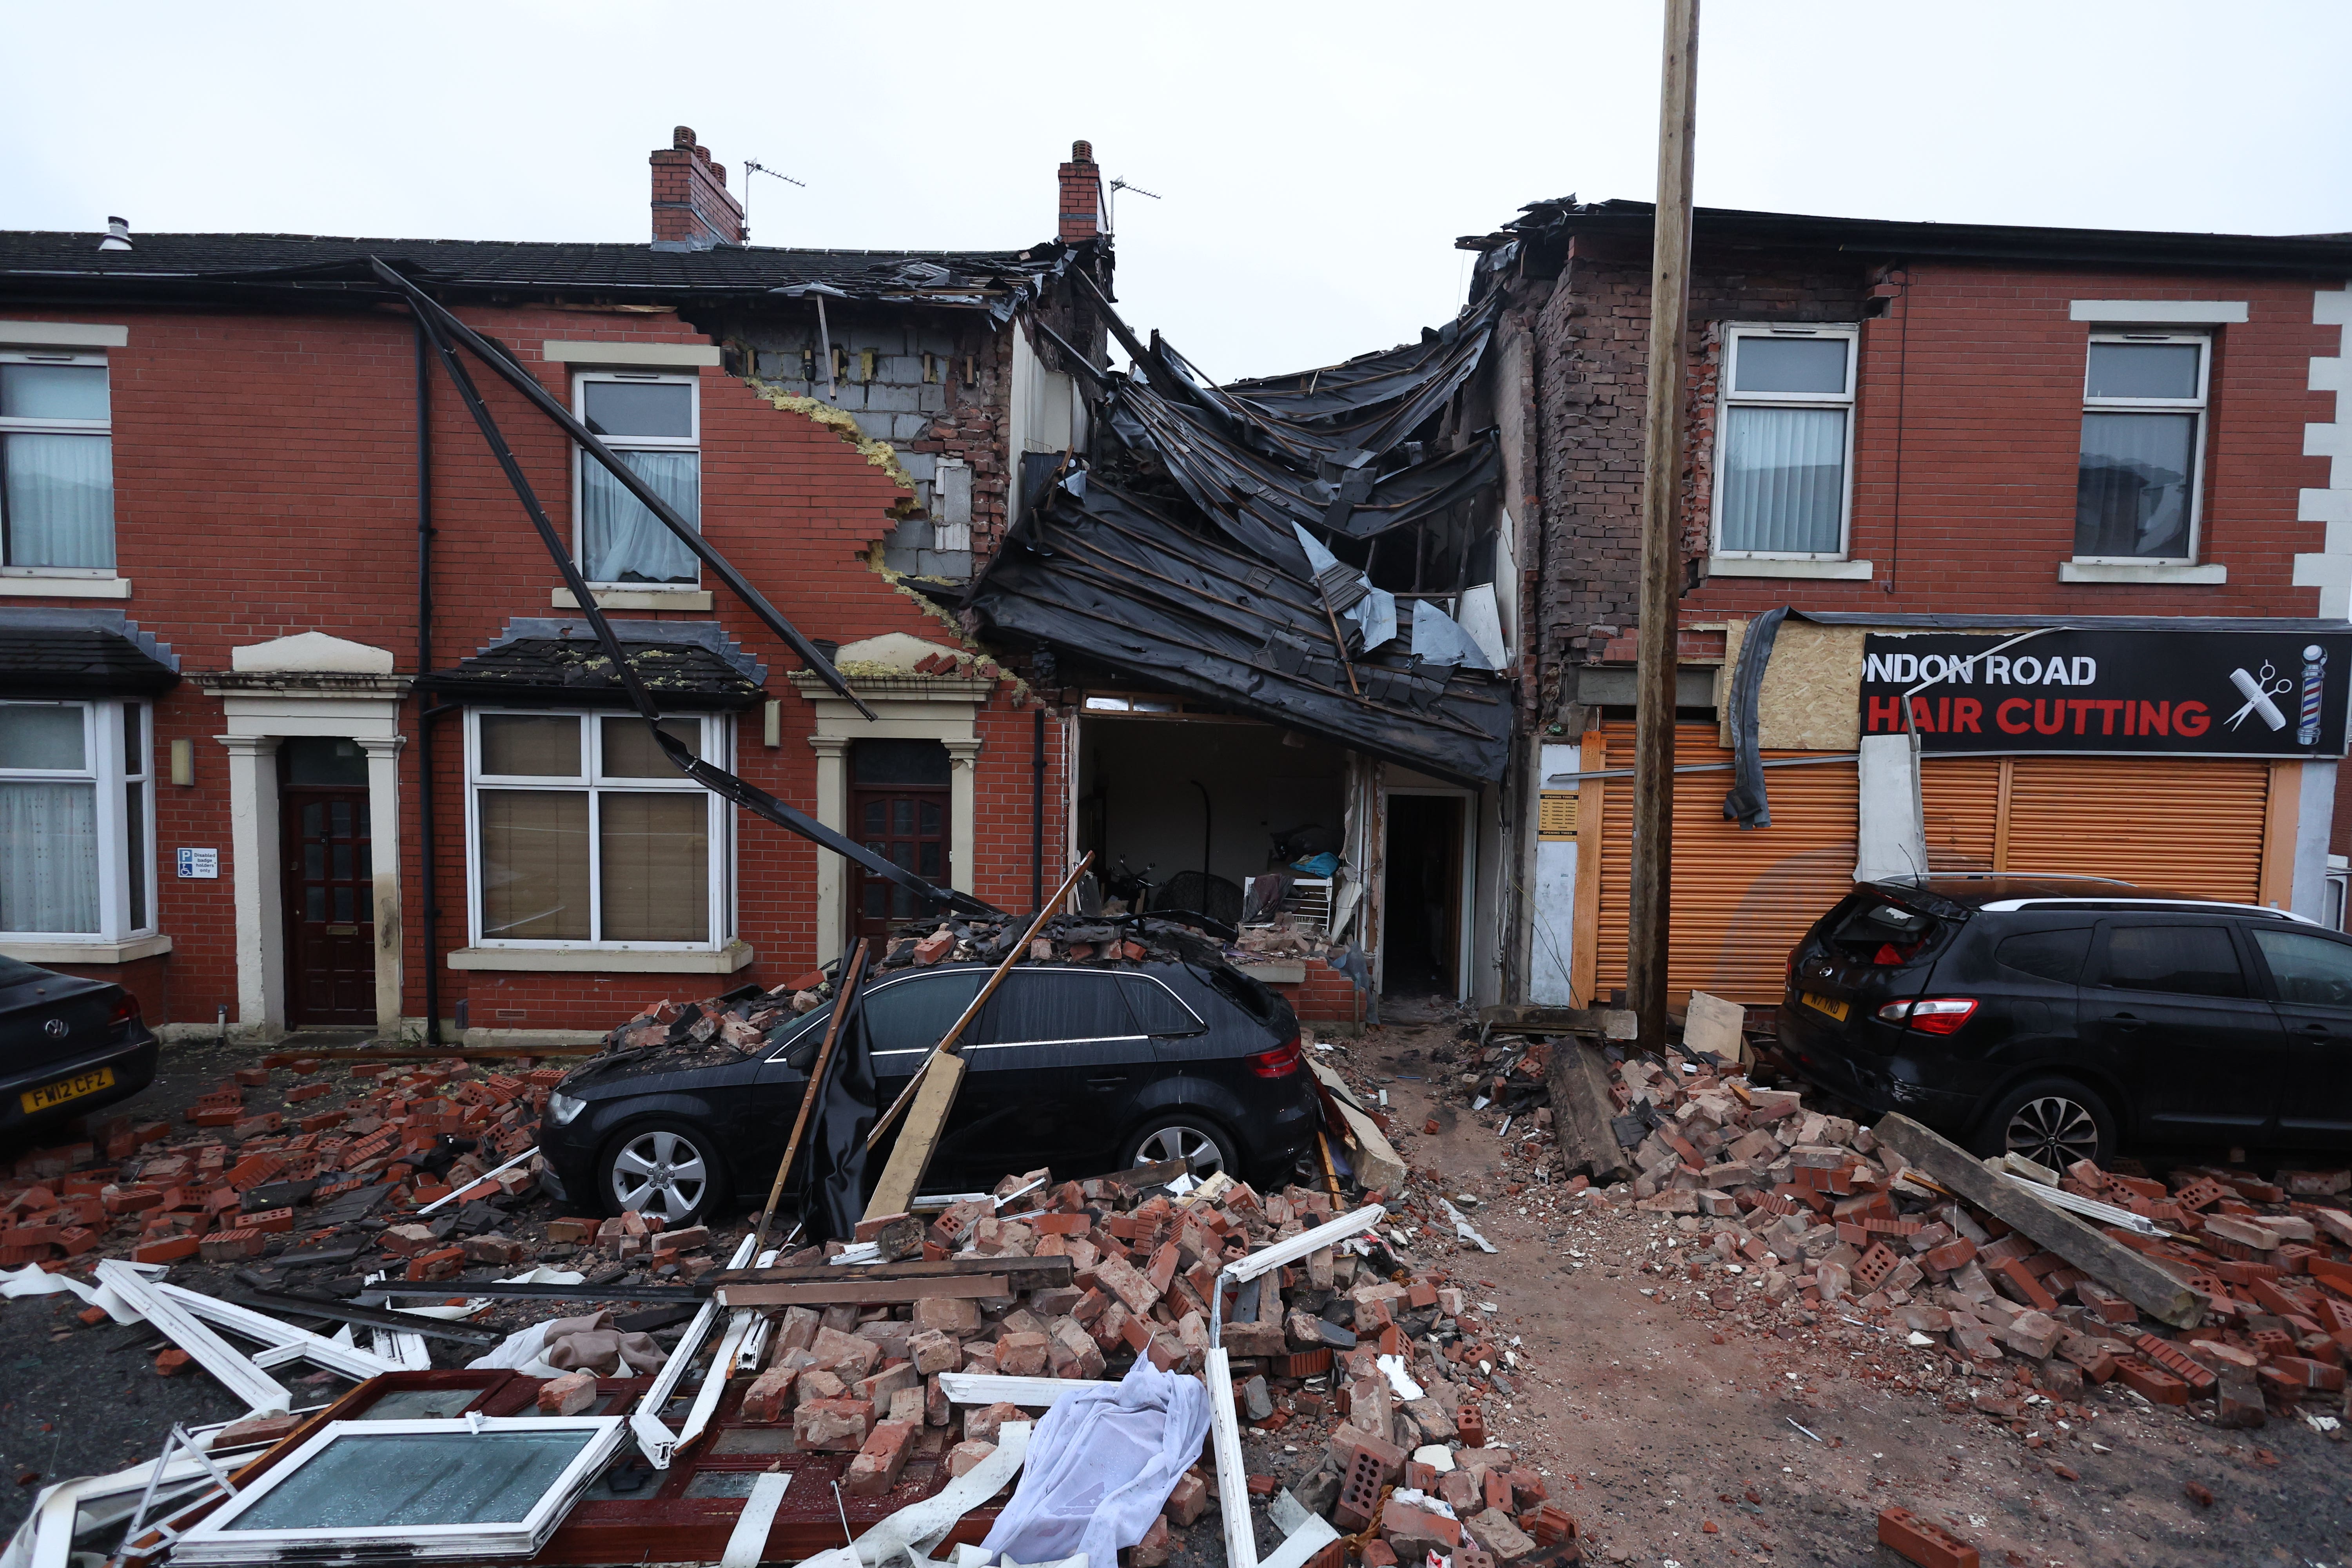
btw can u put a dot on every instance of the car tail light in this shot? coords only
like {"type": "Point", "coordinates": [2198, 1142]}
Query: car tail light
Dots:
{"type": "Point", "coordinates": [1890, 956]}
{"type": "Point", "coordinates": [125, 1016]}
{"type": "Point", "coordinates": [1280, 1062]}
{"type": "Point", "coordinates": [1935, 1016]}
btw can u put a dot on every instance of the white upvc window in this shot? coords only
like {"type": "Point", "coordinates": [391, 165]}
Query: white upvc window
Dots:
{"type": "Point", "coordinates": [653, 422]}
{"type": "Point", "coordinates": [77, 822]}
{"type": "Point", "coordinates": [57, 464]}
{"type": "Point", "coordinates": [1784, 442]}
{"type": "Point", "coordinates": [2138, 488]}
{"type": "Point", "coordinates": [581, 833]}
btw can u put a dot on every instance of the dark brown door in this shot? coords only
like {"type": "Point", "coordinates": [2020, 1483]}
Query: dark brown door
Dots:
{"type": "Point", "coordinates": [910, 827]}
{"type": "Point", "coordinates": [330, 895]}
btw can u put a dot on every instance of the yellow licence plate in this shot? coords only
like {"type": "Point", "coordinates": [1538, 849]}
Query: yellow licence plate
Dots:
{"type": "Point", "coordinates": [1821, 1003]}
{"type": "Point", "coordinates": [50, 1094]}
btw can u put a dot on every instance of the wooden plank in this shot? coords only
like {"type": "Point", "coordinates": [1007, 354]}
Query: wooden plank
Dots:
{"type": "Point", "coordinates": [926, 1120]}
{"type": "Point", "coordinates": [866, 1292]}
{"type": "Point", "coordinates": [1377, 1166]}
{"type": "Point", "coordinates": [1712, 1024]}
{"type": "Point", "coordinates": [1582, 1110]}
{"type": "Point", "coordinates": [1527, 1019]}
{"type": "Point", "coordinates": [2111, 1264]}
{"type": "Point", "coordinates": [1030, 1273]}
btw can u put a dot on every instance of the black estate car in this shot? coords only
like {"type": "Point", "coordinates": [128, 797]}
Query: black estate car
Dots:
{"type": "Point", "coordinates": [67, 1046]}
{"type": "Point", "coordinates": [2061, 1017]}
{"type": "Point", "coordinates": [1085, 1069]}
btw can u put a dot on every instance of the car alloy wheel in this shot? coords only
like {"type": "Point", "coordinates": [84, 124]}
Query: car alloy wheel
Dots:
{"type": "Point", "coordinates": [2053, 1131]}
{"type": "Point", "coordinates": [659, 1171]}
{"type": "Point", "coordinates": [1180, 1142]}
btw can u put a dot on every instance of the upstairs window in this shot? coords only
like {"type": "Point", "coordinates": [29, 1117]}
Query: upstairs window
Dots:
{"type": "Point", "coordinates": [652, 423]}
{"type": "Point", "coordinates": [56, 461]}
{"type": "Point", "coordinates": [2135, 492]}
{"type": "Point", "coordinates": [1784, 447]}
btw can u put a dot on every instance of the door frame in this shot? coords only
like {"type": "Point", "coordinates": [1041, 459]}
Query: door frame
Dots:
{"type": "Point", "coordinates": [1465, 926]}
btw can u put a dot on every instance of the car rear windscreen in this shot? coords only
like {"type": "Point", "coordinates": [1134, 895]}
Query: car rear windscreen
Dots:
{"type": "Point", "coordinates": [1239, 989]}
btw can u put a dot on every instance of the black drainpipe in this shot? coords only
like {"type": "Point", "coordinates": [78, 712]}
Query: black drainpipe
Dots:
{"type": "Point", "coordinates": [1037, 815]}
{"type": "Point", "coordinates": [432, 902]}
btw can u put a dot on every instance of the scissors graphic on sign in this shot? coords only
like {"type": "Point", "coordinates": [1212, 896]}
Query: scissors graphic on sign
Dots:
{"type": "Point", "coordinates": [2258, 690]}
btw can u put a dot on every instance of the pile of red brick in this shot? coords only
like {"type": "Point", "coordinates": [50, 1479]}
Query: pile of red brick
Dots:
{"type": "Point", "coordinates": [1807, 1208]}
{"type": "Point", "coordinates": [1303, 1345]}
{"type": "Point", "coordinates": [247, 1178]}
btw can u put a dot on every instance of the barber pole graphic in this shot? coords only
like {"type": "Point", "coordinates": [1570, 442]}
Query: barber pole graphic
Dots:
{"type": "Point", "coordinates": [2314, 667]}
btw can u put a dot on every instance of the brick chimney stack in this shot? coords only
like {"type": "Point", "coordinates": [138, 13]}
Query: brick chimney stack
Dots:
{"type": "Point", "coordinates": [1082, 195]}
{"type": "Point", "coordinates": [692, 210]}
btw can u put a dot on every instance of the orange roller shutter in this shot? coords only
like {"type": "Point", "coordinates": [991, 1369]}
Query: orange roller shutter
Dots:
{"type": "Point", "coordinates": [2185, 825]}
{"type": "Point", "coordinates": [1741, 898]}
{"type": "Point", "coordinates": [1959, 800]}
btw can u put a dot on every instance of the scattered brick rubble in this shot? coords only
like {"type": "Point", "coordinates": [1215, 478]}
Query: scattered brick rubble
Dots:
{"type": "Point", "coordinates": [1768, 1212]}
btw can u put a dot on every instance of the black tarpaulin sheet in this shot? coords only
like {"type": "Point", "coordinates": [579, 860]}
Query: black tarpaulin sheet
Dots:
{"type": "Point", "coordinates": [836, 1190]}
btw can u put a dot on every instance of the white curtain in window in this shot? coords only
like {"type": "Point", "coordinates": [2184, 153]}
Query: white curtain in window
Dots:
{"type": "Point", "coordinates": [1783, 479]}
{"type": "Point", "coordinates": [621, 539]}
{"type": "Point", "coordinates": [2131, 493]}
{"type": "Point", "coordinates": [48, 857]}
{"type": "Point", "coordinates": [61, 500]}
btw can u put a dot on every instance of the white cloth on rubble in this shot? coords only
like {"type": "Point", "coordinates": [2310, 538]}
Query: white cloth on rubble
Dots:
{"type": "Point", "coordinates": [1100, 1467]}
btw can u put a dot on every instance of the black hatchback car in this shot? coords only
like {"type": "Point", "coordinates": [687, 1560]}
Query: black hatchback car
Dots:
{"type": "Point", "coordinates": [1085, 1069]}
{"type": "Point", "coordinates": [2061, 1018]}
{"type": "Point", "coordinates": [67, 1046]}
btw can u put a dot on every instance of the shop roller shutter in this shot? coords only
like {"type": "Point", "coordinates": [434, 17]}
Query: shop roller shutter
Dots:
{"type": "Point", "coordinates": [1959, 800]}
{"type": "Point", "coordinates": [2182, 825]}
{"type": "Point", "coordinates": [1741, 898]}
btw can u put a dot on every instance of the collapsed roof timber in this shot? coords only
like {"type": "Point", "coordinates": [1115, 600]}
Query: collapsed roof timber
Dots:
{"type": "Point", "coordinates": [1277, 547]}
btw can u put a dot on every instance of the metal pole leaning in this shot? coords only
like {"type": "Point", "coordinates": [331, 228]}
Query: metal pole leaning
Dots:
{"type": "Point", "coordinates": [852, 971]}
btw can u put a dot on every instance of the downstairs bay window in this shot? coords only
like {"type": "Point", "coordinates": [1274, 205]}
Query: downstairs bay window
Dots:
{"type": "Point", "coordinates": [583, 833]}
{"type": "Point", "coordinates": [77, 821]}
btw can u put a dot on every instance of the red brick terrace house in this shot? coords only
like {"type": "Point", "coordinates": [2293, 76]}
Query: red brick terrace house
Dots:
{"type": "Point", "coordinates": [295, 728]}
{"type": "Point", "coordinates": [2123, 452]}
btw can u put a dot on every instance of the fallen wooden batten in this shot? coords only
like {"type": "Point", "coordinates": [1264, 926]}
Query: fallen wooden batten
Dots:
{"type": "Point", "coordinates": [1377, 1166]}
{"type": "Point", "coordinates": [2111, 1264]}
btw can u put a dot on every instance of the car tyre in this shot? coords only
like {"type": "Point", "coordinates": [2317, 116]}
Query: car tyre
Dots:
{"type": "Point", "coordinates": [2054, 1121]}
{"type": "Point", "coordinates": [1204, 1145]}
{"type": "Point", "coordinates": [662, 1165]}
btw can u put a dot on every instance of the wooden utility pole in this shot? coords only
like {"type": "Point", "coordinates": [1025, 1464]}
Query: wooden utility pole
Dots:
{"type": "Point", "coordinates": [1662, 463]}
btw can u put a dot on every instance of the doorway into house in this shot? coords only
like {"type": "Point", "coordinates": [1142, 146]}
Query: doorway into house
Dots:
{"type": "Point", "coordinates": [897, 807]}
{"type": "Point", "coordinates": [328, 887]}
{"type": "Point", "coordinates": [1421, 899]}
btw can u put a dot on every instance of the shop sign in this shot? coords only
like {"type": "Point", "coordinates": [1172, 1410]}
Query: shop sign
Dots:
{"type": "Point", "coordinates": [2171, 693]}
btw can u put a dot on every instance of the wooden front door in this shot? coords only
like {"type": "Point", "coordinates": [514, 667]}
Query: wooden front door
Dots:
{"type": "Point", "coordinates": [908, 824]}
{"type": "Point", "coordinates": [330, 897]}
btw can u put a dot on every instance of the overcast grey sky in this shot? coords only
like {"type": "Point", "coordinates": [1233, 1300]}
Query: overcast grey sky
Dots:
{"type": "Point", "coordinates": [1315, 162]}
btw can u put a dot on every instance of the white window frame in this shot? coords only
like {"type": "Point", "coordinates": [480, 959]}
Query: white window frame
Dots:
{"type": "Point", "coordinates": [715, 747]}
{"type": "Point", "coordinates": [106, 767]}
{"type": "Point", "coordinates": [215, 1539]}
{"type": "Point", "coordinates": [2196, 405]}
{"type": "Point", "coordinates": [63, 428]}
{"type": "Point", "coordinates": [580, 460]}
{"type": "Point", "coordinates": [1727, 400]}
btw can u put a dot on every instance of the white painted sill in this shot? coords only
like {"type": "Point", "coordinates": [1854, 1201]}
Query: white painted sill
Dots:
{"type": "Point", "coordinates": [735, 955]}
{"type": "Point", "coordinates": [1757, 566]}
{"type": "Point", "coordinates": [1290, 974]}
{"type": "Point", "coordinates": [63, 584]}
{"type": "Point", "coordinates": [136, 947]}
{"type": "Point", "coordinates": [2141, 572]}
{"type": "Point", "coordinates": [638, 598]}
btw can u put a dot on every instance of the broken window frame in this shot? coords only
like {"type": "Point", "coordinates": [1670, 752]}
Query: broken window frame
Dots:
{"type": "Point", "coordinates": [714, 744]}
{"type": "Point", "coordinates": [1727, 400]}
{"type": "Point", "coordinates": [214, 1538]}
{"type": "Point", "coordinates": [584, 471]}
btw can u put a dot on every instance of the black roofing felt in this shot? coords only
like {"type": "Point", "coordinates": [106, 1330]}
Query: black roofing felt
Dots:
{"type": "Point", "coordinates": [78, 661]}
{"type": "Point", "coordinates": [29, 255]}
{"type": "Point", "coordinates": [551, 672]}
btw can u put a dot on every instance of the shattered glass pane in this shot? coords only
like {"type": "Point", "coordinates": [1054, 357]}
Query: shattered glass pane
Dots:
{"type": "Point", "coordinates": [386, 1480]}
